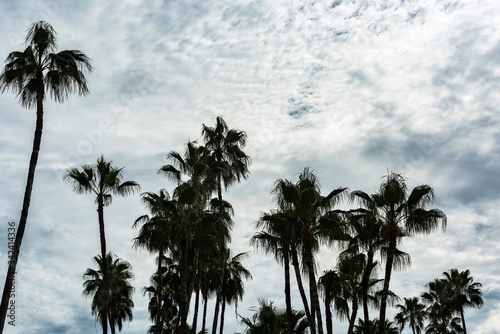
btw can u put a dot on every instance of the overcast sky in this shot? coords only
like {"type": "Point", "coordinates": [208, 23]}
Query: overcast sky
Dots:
{"type": "Point", "coordinates": [351, 89]}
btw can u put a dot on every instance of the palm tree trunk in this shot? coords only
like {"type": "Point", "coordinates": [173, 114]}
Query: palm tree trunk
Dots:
{"type": "Point", "coordinates": [364, 287]}
{"type": "Point", "coordinates": [183, 302]}
{"type": "Point", "coordinates": [328, 311]}
{"type": "Point", "coordinates": [222, 312]}
{"type": "Point", "coordinates": [298, 277]}
{"type": "Point", "coordinates": [354, 313]}
{"type": "Point", "coordinates": [11, 271]}
{"type": "Point", "coordinates": [159, 289]}
{"type": "Point", "coordinates": [205, 304]}
{"type": "Point", "coordinates": [105, 278]}
{"type": "Point", "coordinates": [197, 289]}
{"type": "Point", "coordinates": [388, 270]}
{"type": "Point", "coordinates": [463, 319]}
{"type": "Point", "coordinates": [313, 288]}
{"type": "Point", "coordinates": [288, 299]}
{"type": "Point", "coordinates": [314, 297]}
{"type": "Point", "coordinates": [222, 258]}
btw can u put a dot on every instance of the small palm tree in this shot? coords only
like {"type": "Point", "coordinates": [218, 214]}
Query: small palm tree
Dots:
{"type": "Point", "coordinates": [103, 180]}
{"type": "Point", "coordinates": [30, 74]}
{"type": "Point", "coordinates": [464, 292]}
{"type": "Point", "coordinates": [233, 287]}
{"type": "Point", "coordinates": [267, 319]}
{"type": "Point", "coordinates": [439, 309]}
{"type": "Point", "coordinates": [413, 313]}
{"type": "Point", "coordinates": [117, 298]}
{"type": "Point", "coordinates": [153, 235]}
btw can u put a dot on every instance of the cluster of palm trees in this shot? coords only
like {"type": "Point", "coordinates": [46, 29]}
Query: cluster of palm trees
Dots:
{"type": "Point", "coordinates": [442, 304]}
{"type": "Point", "coordinates": [304, 219]}
{"type": "Point", "coordinates": [189, 230]}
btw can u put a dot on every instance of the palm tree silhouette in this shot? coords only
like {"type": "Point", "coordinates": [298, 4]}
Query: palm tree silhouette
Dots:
{"type": "Point", "coordinates": [117, 298]}
{"type": "Point", "coordinates": [403, 215]}
{"type": "Point", "coordinates": [464, 292]}
{"type": "Point", "coordinates": [412, 312]}
{"type": "Point", "coordinates": [30, 74]}
{"type": "Point", "coordinates": [103, 180]}
{"type": "Point", "coordinates": [229, 163]}
{"type": "Point", "coordinates": [303, 205]}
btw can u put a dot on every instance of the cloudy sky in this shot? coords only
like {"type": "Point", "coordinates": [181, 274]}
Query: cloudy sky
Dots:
{"type": "Point", "coordinates": [351, 89]}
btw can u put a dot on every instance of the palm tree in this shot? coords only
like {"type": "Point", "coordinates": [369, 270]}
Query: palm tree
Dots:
{"type": "Point", "coordinates": [402, 215]}
{"type": "Point", "coordinates": [267, 319]}
{"type": "Point", "coordinates": [153, 236]}
{"type": "Point", "coordinates": [166, 306]}
{"type": "Point", "coordinates": [373, 325]}
{"type": "Point", "coordinates": [276, 238]}
{"type": "Point", "coordinates": [117, 298]}
{"type": "Point", "coordinates": [229, 164]}
{"type": "Point", "coordinates": [326, 285]}
{"type": "Point", "coordinates": [365, 236]}
{"type": "Point", "coordinates": [439, 310]}
{"type": "Point", "coordinates": [464, 293]}
{"type": "Point", "coordinates": [412, 312]}
{"type": "Point", "coordinates": [233, 287]}
{"type": "Point", "coordinates": [29, 74]}
{"type": "Point", "coordinates": [303, 205]}
{"type": "Point", "coordinates": [104, 181]}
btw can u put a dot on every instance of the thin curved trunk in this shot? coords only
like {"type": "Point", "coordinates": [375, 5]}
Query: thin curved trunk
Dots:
{"type": "Point", "coordinates": [354, 313]}
{"type": "Point", "coordinates": [105, 278]}
{"type": "Point", "coordinates": [197, 289]}
{"type": "Point", "coordinates": [463, 319]}
{"type": "Point", "coordinates": [11, 271]}
{"type": "Point", "coordinates": [388, 270]}
{"type": "Point", "coordinates": [364, 287]}
{"type": "Point", "coordinates": [288, 299]}
{"type": "Point", "coordinates": [298, 277]}
{"type": "Point", "coordinates": [159, 289]}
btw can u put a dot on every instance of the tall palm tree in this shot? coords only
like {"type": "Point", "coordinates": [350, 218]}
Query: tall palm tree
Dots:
{"type": "Point", "coordinates": [303, 204]}
{"type": "Point", "coordinates": [30, 74]}
{"type": "Point", "coordinates": [103, 180]}
{"type": "Point", "coordinates": [276, 238]}
{"type": "Point", "coordinates": [464, 292]}
{"type": "Point", "coordinates": [412, 312]}
{"type": "Point", "coordinates": [402, 215]}
{"type": "Point", "coordinates": [118, 295]}
{"type": "Point", "coordinates": [229, 164]}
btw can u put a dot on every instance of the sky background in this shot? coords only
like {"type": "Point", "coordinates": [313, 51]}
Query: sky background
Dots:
{"type": "Point", "coordinates": [350, 89]}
